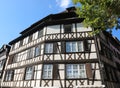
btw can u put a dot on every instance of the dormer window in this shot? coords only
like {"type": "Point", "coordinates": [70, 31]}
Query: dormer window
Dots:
{"type": "Point", "coordinates": [67, 28]}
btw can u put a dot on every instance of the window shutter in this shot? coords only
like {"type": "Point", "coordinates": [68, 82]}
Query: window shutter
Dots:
{"type": "Point", "coordinates": [55, 71]}
{"type": "Point", "coordinates": [10, 59]}
{"type": "Point", "coordinates": [87, 45]}
{"type": "Point", "coordinates": [67, 28]}
{"type": "Point", "coordinates": [63, 47]}
{"type": "Point", "coordinates": [12, 73]}
{"type": "Point", "coordinates": [54, 47]}
{"type": "Point", "coordinates": [89, 70]}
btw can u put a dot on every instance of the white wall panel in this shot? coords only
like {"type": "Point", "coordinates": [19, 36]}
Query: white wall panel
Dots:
{"type": "Point", "coordinates": [38, 74]}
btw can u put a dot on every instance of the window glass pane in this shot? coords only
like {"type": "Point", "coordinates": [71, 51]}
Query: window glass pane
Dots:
{"type": "Point", "coordinates": [67, 28]}
{"type": "Point", "coordinates": [21, 42]}
{"type": "Point", "coordinates": [37, 51]}
{"type": "Point", "coordinates": [30, 53]}
{"type": "Point", "coordinates": [9, 75]}
{"type": "Point", "coordinates": [76, 46]}
{"type": "Point", "coordinates": [49, 48]}
{"type": "Point", "coordinates": [68, 47]}
{"type": "Point", "coordinates": [30, 38]}
{"type": "Point", "coordinates": [87, 45]}
{"type": "Point", "coordinates": [15, 58]}
{"type": "Point", "coordinates": [29, 73]}
{"type": "Point", "coordinates": [40, 33]}
{"type": "Point", "coordinates": [35, 36]}
{"type": "Point", "coordinates": [75, 71]}
{"type": "Point", "coordinates": [47, 71]}
{"type": "Point", "coordinates": [25, 40]}
{"type": "Point", "coordinates": [80, 46]}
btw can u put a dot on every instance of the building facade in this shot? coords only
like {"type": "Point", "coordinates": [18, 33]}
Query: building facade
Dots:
{"type": "Point", "coordinates": [58, 52]}
{"type": "Point", "coordinates": [4, 51]}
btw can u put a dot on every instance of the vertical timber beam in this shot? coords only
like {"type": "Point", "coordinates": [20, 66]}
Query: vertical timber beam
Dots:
{"type": "Point", "coordinates": [99, 59]}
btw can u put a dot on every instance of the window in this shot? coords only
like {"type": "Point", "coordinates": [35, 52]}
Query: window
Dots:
{"type": "Point", "coordinates": [2, 64]}
{"type": "Point", "coordinates": [21, 42]}
{"type": "Point", "coordinates": [75, 71]}
{"type": "Point", "coordinates": [74, 46]}
{"type": "Point", "coordinates": [30, 38]}
{"type": "Point", "coordinates": [29, 73]}
{"type": "Point", "coordinates": [40, 33]}
{"type": "Point", "coordinates": [30, 53]}
{"type": "Point", "coordinates": [15, 58]}
{"type": "Point", "coordinates": [49, 48]}
{"type": "Point", "coordinates": [25, 40]}
{"type": "Point", "coordinates": [12, 47]}
{"type": "Point", "coordinates": [37, 50]}
{"type": "Point", "coordinates": [47, 71]}
{"type": "Point", "coordinates": [9, 75]}
{"type": "Point", "coordinates": [67, 28]}
{"type": "Point", "coordinates": [16, 45]}
{"type": "Point", "coordinates": [87, 45]}
{"type": "Point", "coordinates": [35, 36]}
{"type": "Point", "coordinates": [10, 59]}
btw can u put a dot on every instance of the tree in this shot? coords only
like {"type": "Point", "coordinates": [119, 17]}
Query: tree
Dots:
{"type": "Point", "coordinates": [99, 14]}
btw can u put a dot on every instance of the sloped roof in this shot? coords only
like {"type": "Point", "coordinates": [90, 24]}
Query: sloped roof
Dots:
{"type": "Point", "coordinates": [52, 19]}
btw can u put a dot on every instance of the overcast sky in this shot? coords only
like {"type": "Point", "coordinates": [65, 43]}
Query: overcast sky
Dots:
{"type": "Point", "coordinates": [17, 15]}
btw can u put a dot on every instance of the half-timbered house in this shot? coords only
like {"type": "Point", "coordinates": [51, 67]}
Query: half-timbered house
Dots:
{"type": "Point", "coordinates": [58, 52]}
{"type": "Point", "coordinates": [4, 51]}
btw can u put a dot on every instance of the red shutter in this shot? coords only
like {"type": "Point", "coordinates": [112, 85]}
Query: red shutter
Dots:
{"type": "Point", "coordinates": [89, 70]}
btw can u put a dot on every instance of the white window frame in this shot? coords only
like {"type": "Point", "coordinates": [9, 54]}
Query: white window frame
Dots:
{"type": "Point", "coordinates": [15, 58]}
{"type": "Point", "coordinates": [30, 38]}
{"type": "Point", "coordinates": [35, 36]}
{"type": "Point", "coordinates": [30, 53]}
{"type": "Point", "coordinates": [9, 75]}
{"type": "Point", "coordinates": [74, 71]}
{"type": "Point", "coordinates": [25, 40]}
{"type": "Point", "coordinates": [37, 50]}
{"type": "Point", "coordinates": [49, 48]}
{"type": "Point", "coordinates": [74, 46]}
{"type": "Point", "coordinates": [66, 26]}
{"type": "Point", "coordinates": [48, 71]}
{"type": "Point", "coordinates": [17, 45]}
{"type": "Point", "coordinates": [2, 64]}
{"type": "Point", "coordinates": [40, 33]}
{"type": "Point", "coordinates": [29, 73]}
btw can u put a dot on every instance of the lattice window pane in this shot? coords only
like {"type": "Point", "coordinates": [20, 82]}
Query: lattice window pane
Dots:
{"type": "Point", "coordinates": [47, 71]}
{"type": "Point", "coordinates": [75, 71]}
{"type": "Point", "coordinates": [49, 48]}
{"type": "Point", "coordinates": [29, 73]}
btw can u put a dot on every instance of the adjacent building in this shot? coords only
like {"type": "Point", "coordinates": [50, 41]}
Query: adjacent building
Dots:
{"type": "Point", "coordinates": [4, 51]}
{"type": "Point", "coordinates": [58, 52]}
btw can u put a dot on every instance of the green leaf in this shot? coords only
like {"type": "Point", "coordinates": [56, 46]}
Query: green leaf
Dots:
{"type": "Point", "coordinates": [102, 14]}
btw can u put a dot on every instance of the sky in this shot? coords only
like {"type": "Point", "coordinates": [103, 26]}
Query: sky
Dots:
{"type": "Point", "coordinates": [17, 15]}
